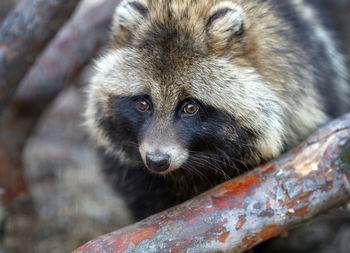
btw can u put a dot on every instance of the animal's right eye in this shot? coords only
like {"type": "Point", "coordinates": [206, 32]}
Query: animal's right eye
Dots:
{"type": "Point", "coordinates": [143, 105]}
{"type": "Point", "coordinates": [190, 109]}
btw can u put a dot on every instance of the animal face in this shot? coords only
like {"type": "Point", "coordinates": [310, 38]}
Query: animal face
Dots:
{"type": "Point", "coordinates": [174, 120]}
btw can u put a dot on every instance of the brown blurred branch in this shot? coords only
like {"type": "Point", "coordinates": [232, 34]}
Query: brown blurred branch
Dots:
{"type": "Point", "coordinates": [67, 55]}
{"type": "Point", "coordinates": [70, 51]}
{"type": "Point", "coordinates": [248, 210]}
{"type": "Point", "coordinates": [23, 35]}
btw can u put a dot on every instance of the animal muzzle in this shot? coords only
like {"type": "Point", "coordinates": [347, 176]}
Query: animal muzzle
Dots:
{"type": "Point", "coordinates": [160, 148]}
{"type": "Point", "coordinates": [162, 159]}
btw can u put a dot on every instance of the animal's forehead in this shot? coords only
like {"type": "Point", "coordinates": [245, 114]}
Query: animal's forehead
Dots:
{"type": "Point", "coordinates": [131, 72]}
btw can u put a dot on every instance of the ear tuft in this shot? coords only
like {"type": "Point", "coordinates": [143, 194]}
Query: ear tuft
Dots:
{"type": "Point", "coordinates": [128, 16]}
{"type": "Point", "coordinates": [224, 23]}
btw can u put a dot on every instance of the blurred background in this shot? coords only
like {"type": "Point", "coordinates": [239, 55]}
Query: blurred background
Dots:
{"type": "Point", "coordinates": [53, 198]}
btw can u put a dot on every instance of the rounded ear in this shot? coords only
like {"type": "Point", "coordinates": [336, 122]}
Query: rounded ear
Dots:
{"type": "Point", "coordinates": [224, 23]}
{"type": "Point", "coordinates": [128, 16]}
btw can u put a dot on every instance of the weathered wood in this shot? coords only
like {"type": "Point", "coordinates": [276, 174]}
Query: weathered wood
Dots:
{"type": "Point", "coordinates": [61, 62]}
{"type": "Point", "coordinates": [250, 209]}
{"type": "Point", "coordinates": [23, 35]}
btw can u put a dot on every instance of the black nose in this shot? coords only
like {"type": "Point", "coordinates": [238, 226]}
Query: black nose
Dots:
{"type": "Point", "coordinates": [157, 162]}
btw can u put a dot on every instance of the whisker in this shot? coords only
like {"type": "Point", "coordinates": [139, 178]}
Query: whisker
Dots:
{"type": "Point", "coordinates": [206, 163]}
{"type": "Point", "coordinates": [191, 169]}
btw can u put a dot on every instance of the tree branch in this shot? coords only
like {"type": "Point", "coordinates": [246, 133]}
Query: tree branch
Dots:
{"type": "Point", "coordinates": [252, 208]}
{"type": "Point", "coordinates": [23, 35]}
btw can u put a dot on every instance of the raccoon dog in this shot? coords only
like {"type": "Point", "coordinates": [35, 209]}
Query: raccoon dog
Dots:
{"type": "Point", "coordinates": [194, 92]}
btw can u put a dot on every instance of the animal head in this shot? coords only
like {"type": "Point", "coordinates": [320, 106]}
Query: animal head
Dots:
{"type": "Point", "coordinates": [181, 86]}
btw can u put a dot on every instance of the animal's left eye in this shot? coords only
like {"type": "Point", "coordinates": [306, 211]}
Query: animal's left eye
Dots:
{"type": "Point", "coordinates": [190, 109]}
{"type": "Point", "coordinates": [143, 105]}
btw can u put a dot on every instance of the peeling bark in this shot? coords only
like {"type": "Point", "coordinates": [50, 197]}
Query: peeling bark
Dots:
{"type": "Point", "coordinates": [243, 212]}
{"type": "Point", "coordinates": [23, 35]}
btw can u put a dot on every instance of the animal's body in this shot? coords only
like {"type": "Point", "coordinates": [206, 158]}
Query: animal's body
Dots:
{"type": "Point", "coordinates": [193, 92]}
